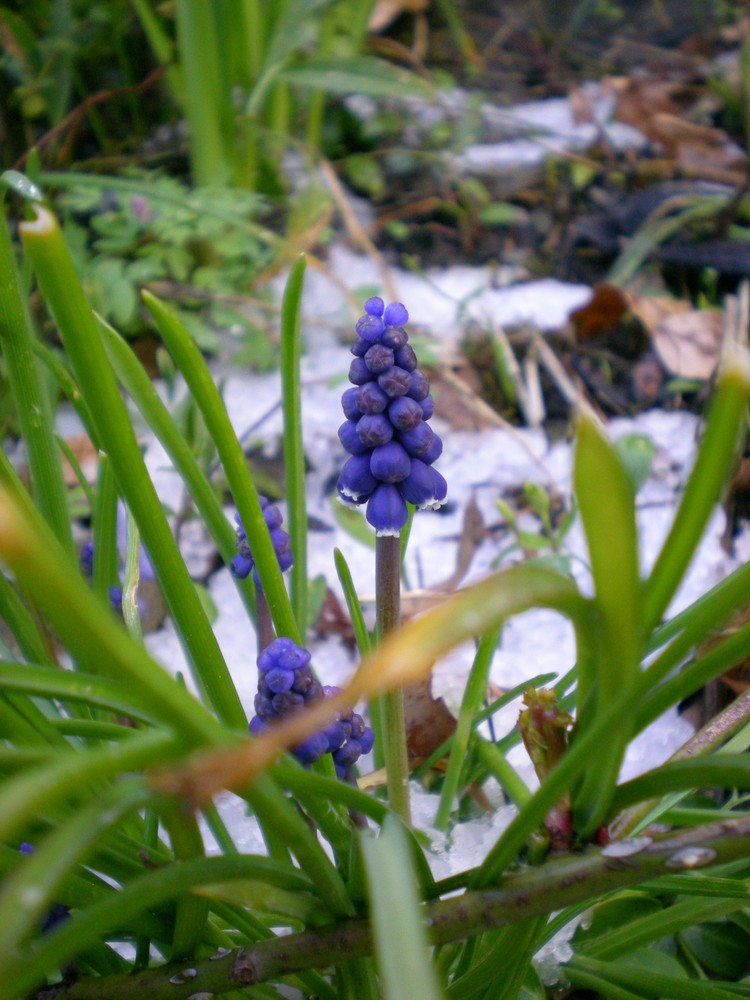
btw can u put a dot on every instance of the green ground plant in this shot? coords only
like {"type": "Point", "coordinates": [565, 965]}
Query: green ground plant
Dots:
{"type": "Point", "coordinates": [110, 767]}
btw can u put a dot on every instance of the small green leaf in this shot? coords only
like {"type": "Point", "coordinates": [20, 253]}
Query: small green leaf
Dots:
{"type": "Point", "coordinates": [723, 948]}
{"type": "Point", "coordinates": [636, 452]}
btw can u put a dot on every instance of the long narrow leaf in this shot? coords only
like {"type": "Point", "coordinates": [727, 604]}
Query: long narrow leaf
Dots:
{"type": "Point", "coordinates": [400, 939]}
{"type": "Point", "coordinates": [62, 289]}
{"type": "Point", "coordinates": [294, 455]}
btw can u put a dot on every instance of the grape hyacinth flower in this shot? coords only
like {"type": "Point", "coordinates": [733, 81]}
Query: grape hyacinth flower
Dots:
{"type": "Point", "coordinates": [243, 563]}
{"type": "Point", "coordinates": [286, 685]}
{"type": "Point", "coordinates": [392, 447]}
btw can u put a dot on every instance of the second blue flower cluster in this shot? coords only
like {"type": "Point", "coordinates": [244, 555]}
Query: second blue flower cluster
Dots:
{"type": "Point", "coordinates": [392, 446]}
{"type": "Point", "coordinates": [286, 685]}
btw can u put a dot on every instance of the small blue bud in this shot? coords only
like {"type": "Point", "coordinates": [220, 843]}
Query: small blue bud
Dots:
{"type": "Point", "coordinates": [419, 388]}
{"type": "Point", "coordinates": [406, 358]}
{"type": "Point", "coordinates": [374, 429]}
{"type": "Point", "coordinates": [359, 373]}
{"type": "Point", "coordinates": [370, 328]}
{"type": "Point", "coordinates": [386, 510]}
{"type": "Point", "coordinates": [350, 439]}
{"type": "Point", "coordinates": [395, 381]}
{"type": "Point", "coordinates": [374, 306]}
{"type": "Point", "coordinates": [356, 482]}
{"type": "Point", "coordinates": [352, 410]}
{"type": "Point", "coordinates": [405, 413]}
{"type": "Point", "coordinates": [424, 486]}
{"type": "Point", "coordinates": [379, 359]}
{"type": "Point", "coordinates": [390, 463]}
{"type": "Point", "coordinates": [396, 315]}
{"type": "Point", "coordinates": [370, 398]}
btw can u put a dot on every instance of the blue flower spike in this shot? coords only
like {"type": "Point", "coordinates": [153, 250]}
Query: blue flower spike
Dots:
{"type": "Point", "coordinates": [243, 563]}
{"type": "Point", "coordinates": [386, 430]}
{"type": "Point", "coordinates": [286, 685]}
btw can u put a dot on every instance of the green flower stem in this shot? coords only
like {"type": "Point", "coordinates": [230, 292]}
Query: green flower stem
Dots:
{"type": "Point", "coordinates": [188, 359]}
{"type": "Point", "coordinates": [725, 428]}
{"type": "Point", "coordinates": [393, 735]}
{"type": "Point", "coordinates": [474, 693]}
{"type": "Point", "coordinates": [140, 388]}
{"type": "Point", "coordinates": [32, 401]}
{"type": "Point", "coordinates": [294, 455]}
{"type": "Point", "coordinates": [62, 289]}
{"type": "Point", "coordinates": [556, 885]}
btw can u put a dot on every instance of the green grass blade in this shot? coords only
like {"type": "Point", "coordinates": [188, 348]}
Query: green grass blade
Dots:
{"type": "Point", "coordinates": [606, 501]}
{"type": "Point", "coordinates": [722, 770]}
{"type": "Point", "coordinates": [294, 454]}
{"type": "Point", "coordinates": [139, 387]}
{"type": "Point", "coordinates": [474, 693]}
{"type": "Point", "coordinates": [725, 430]}
{"type": "Point", "coordinates": [401, 945]}
{"type": "Point", "coordinates": [62, 289]}
{"type": "Point", "coordinates": [657, 926]}
{"type": "Point", "coordinates": [343, 572]}
{"type": "Point", "coordinates": [32, 401]}
{"type": "Point", "coordinates": [207, 101]}
{"type": "Point", "coordinates": [104, 533]}
{"type": "Point", "coordinates": [188, 359]}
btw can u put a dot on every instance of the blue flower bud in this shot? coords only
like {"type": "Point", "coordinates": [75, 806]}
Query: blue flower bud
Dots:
{"type": "Point", "coordinates": [386, 510]}
{"type": "Point", "coordinates": [357, 482]}
{"type": "Point", "coordinates": [418, 439]}
{"type": "Point", "coordinates": [394, 337]}
{"type": "Point", "coordinates": [428, 407]}
{"type": "Point", "coordinates": [396, 315]}
{"type": "Point", "coordinates": [390, 463]}
{"type": "Point", "coordinates": [406, 358]}
{"type": "Point", "coordinates": [349, 404]}
{"type": "Point", "coordinates": [243, 563]}
{"type": "Point", "coordinates": [405, 413]}
{"type": "Point", "coordinates": [374, 429]}
{"type": "Point", "coordinates": [360, 347]}
{"type": "Point", "coordinates": [286, 703]}
{"type": "Point", "coordinates": [395, 381]}
{"type": "Point", "coordinates": [359, 373]}
{"type": "Point", "coordinates": [379, 359]}
{"type": "Point", "coordinates": [311, 749]}
{"type": "Point", "coordinates": [350, 439]}
{"type": "Point", "coordinates": [370, 398]}
{"type": "Point", "coordinates": [424, 486]}
{"type": "Point", "coordinates": [279, 680]}
{"type": "Point", "coordinates": [374, 306]}
{"type": "Point", "coordinates": [419, 387]}
{"type": "Point", "coordinates": [433, 451]}
{"type": "Point", "coordinates": [370, 328]}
